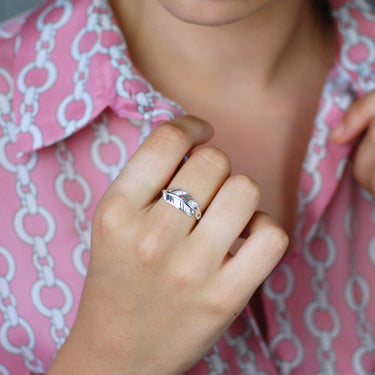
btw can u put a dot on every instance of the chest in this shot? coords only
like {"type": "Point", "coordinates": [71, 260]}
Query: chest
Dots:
{"type": "Point", "coordinates": [272, 154]}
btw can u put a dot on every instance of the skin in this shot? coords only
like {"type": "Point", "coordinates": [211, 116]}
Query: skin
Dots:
{"type": "Point", "coordinates": [214, 12]}
{"type": "Point", "coordinates": [178, 273]}
{"type": "Point", "coordinates": [255, 60]}
{"type": "Point", "coordinates": [216, 36]}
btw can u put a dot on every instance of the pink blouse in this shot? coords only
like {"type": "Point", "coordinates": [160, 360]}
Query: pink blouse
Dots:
{"type": "Point", "coordinates": [65, 80]}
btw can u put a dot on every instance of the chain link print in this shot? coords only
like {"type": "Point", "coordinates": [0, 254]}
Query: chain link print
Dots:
{"type": "Point", "coordinates": [5, 32]}
{"type": "Point", "coordinates": [349, 29]}
{"type": "Point", "coordinates": [104, 138]}
{"type": "Point", "coordinates": [325, 337]}
{"type": "Point", "coordinates": [358, 282]}
{"type": "Point", "coordinates": [82, 73]}
{"type": "Point", "coordinates": [27, 190]}
{"type": "Point", "coordinates": [81, 223]}
{"type": "Point", "coordinates": [286, 333]}
{"type": "Point", "coordinates": [4, 370]}
{"type": "Point", "coordinates": [100, 21]}
{"type": "Point", "coordinates": [245, 357]}
{"type": "Point", "coordinates": [352, 36]}
{"type": "Point", "coordinates": [43, 48]}
{"type": "Point", "coordinates": [316, 152]}
{"type": "Point", "coordinates": [8, 302]}
{"type": "Point", "coordinates": [7, 115]}
{"type": "Point", "coordinates": [364, 327]}
{"type": "Point", "coordinates": [145, 99]}
{"type": "Point", "coordinates": [8, 307]}
{"type": "Point", "coordinates": [215, 363]}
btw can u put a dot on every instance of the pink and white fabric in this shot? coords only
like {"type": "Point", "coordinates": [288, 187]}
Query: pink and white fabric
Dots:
{"type": "Point", "coordinates": [66, 85]}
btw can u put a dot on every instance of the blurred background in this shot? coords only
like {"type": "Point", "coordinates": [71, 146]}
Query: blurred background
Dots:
{"type": "Point", "coordinates": [9, 8]}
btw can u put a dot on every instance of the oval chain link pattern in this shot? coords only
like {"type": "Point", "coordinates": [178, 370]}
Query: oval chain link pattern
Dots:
{"type": "Point", "coordinates": [27, 190]}
{"type": "Point", "coordinates": [12, 320]}
{"type": "Point", "coordinates": [325, 337]}
{"type": "Point", "coordinates": [358, 302]}
{"type": "Point", "coordinates": [103, 137]}
{"type": "Point", "coordinates": [99, 21]}
{"type": "Point", "coordinates": [286, 334]}
{"type": "Point", "coordinates": [8, 302]}
{"type": "Point", "coordinates": [245, 357]}
{"type": "Point", "coordinates": [79, 207]}
{"type": "Point", "coordinates": [349, 29]}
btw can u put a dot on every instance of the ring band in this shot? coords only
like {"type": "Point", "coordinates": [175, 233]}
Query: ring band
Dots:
{"type": "Point", "coordinates": [182, 201]}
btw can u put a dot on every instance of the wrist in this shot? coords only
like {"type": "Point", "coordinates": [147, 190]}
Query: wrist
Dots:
{"type": "Point", "coordinates": [80, 356]}
{"type": "Point", "coordinates": [87, 353]}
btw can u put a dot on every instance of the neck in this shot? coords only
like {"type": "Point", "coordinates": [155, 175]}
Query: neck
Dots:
{"type": "Point", "coordinates": [260, 48]}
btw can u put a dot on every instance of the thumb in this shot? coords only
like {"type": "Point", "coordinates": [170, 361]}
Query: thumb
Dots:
{"type": "Point", "coordinates": [356, 119]}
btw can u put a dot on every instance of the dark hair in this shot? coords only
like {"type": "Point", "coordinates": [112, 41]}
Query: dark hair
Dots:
{"type": "Point", "coordinates": [323, 12]}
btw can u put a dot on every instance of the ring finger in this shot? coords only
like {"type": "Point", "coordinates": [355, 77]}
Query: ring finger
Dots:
{"type": "Point", "coordinates": [201, 176]}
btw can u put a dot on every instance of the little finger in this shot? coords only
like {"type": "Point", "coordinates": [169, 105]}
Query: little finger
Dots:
{"type": "Point", "coordinates": [243, 273]}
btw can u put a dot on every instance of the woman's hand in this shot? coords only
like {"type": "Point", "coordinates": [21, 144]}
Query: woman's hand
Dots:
{"type": "Point", "coordinates": [161, 288]}
{"type": "Point", "coordinates": [360, 117]}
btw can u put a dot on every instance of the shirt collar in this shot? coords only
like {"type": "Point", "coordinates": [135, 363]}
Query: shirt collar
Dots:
{"type": "Point", "coordinates": [86, 68]}
{"type": "Point", "coordinates": [71, 63]}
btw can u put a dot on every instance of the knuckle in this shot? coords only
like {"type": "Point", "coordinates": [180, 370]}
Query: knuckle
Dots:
{"type": "Point", "coordinates": [149, 247]}
{"type": "Point", "coordinates": [109, 214]}
{"type": "Point", "coordinates": [215, 307]}
{"type": "Point", "coordinates": [184, 278]}
{"type": "Point", "coordinates": [191, 121]}
{"type": "Point", "coordinates": [170, 133]}
{"type": "Point", "coordinates": [214, 157]}
{"type": "Point", "coordinates": [246, 185]}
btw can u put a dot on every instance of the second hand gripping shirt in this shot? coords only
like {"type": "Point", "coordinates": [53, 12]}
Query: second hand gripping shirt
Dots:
{"type": "Point", "coordinates": [73, 109]}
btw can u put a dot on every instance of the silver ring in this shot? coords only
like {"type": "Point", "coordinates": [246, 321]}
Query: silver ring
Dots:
{"type": "Point", "coordinates": [182, 201]}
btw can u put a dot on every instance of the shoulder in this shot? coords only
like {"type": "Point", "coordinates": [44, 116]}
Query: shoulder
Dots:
{"type": "Point", "coordinates": [10, 40]}
{"type": "Point", "coordinates": [11, 27]}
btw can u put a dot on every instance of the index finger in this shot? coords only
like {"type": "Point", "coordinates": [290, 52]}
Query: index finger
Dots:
{"type": "Point", "coordinates": [156, 160]}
